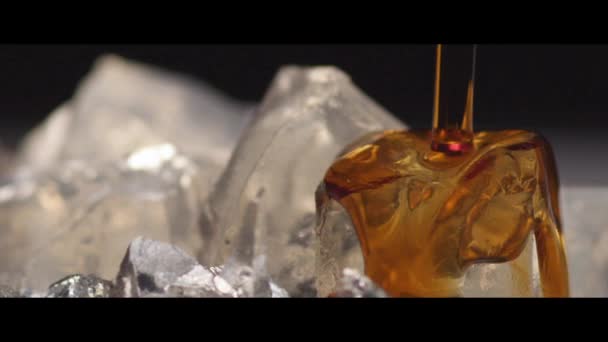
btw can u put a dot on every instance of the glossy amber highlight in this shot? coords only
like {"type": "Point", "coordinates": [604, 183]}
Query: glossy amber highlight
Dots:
{"type": "Point", "coordinates": [423, 217]}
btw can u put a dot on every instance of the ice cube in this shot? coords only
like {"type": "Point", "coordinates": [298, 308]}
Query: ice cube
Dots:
{"type": "Point", "coordinates": [264, 203]}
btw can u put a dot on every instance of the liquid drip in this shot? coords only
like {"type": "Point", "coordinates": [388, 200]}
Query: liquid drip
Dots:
{"type": "Point", "coordinates": [426, 205]}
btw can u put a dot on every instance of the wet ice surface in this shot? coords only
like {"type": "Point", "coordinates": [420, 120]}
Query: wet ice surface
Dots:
{"type": "Point", "coordinates": [137, 151]}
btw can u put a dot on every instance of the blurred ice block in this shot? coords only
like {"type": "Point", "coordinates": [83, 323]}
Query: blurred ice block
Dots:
{"type": "Point", "coordinates": [264, 203]}
{"type": "Point", "coordinates": [133, 153]}
{"type": "Point", "coordinates": [355, 285]}
{"type": "Point", "coordinates": [585, 216]}
{"type": "Point", "coordinates": [6, 161]}
{"type": "Point", "coordinates": [122, 106]}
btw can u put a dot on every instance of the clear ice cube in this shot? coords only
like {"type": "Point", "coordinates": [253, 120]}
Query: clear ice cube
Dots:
{"type": "Point", "coordinates": [264, 203]}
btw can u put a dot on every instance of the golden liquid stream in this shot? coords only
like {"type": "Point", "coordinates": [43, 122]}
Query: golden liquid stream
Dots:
{"type": "Point", "coordinates": [450, 79]}
{"type": "Point", "coordinates": [429, 204]}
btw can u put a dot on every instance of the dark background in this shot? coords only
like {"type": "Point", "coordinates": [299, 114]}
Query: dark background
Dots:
{"type": "Point", "coordinates": [559, 90]}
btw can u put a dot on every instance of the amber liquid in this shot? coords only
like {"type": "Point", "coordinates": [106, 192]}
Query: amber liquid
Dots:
{"type": "Point", "coordinates": [423, 217]}
{"type": "Point", "coordinates": [427, 205]}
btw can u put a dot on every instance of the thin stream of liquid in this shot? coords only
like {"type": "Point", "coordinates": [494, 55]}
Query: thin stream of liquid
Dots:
{"type": "Point", "coordinates": [454, 96]}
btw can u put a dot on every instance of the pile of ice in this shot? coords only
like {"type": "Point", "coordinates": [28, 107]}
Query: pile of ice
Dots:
{"type": "Point", "coordinates": [149, 184]}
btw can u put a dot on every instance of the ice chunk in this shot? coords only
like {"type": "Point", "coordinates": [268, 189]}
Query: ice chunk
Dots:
{"type": "Point", "coordinates": [150, 266]}
{"type": "Point", "coordinates": [79, 218]}
{"type": "Point", "coordinates": [355, 285]}
{"type": "Point", "coordinates": [7, 292]}
{"type": "Point", "coordinates": [155, 269]}
{"type": "Point", "coordinates": [586, 233]}
{"type": "Point", "coordinates": [201, 282]}
{"type": "Point", "coordinates": [278, 292]}
{"type": "Point", "coordinates": [251, 281]}
{"type": "Point", "coordinates": [519, 278]}
{"type": "Point", "coordinates": [585, 229]}
{"type": "Point", "coordinates": [337, 247]}
{"type": "Point", "coordinates": [586, 239]}
{"type": "Point", "coordinates": [123, 106]}
{"type": "Point", "coordinates": [79, 286]}
{"type": "Point", "coordinates": [264, 202]}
